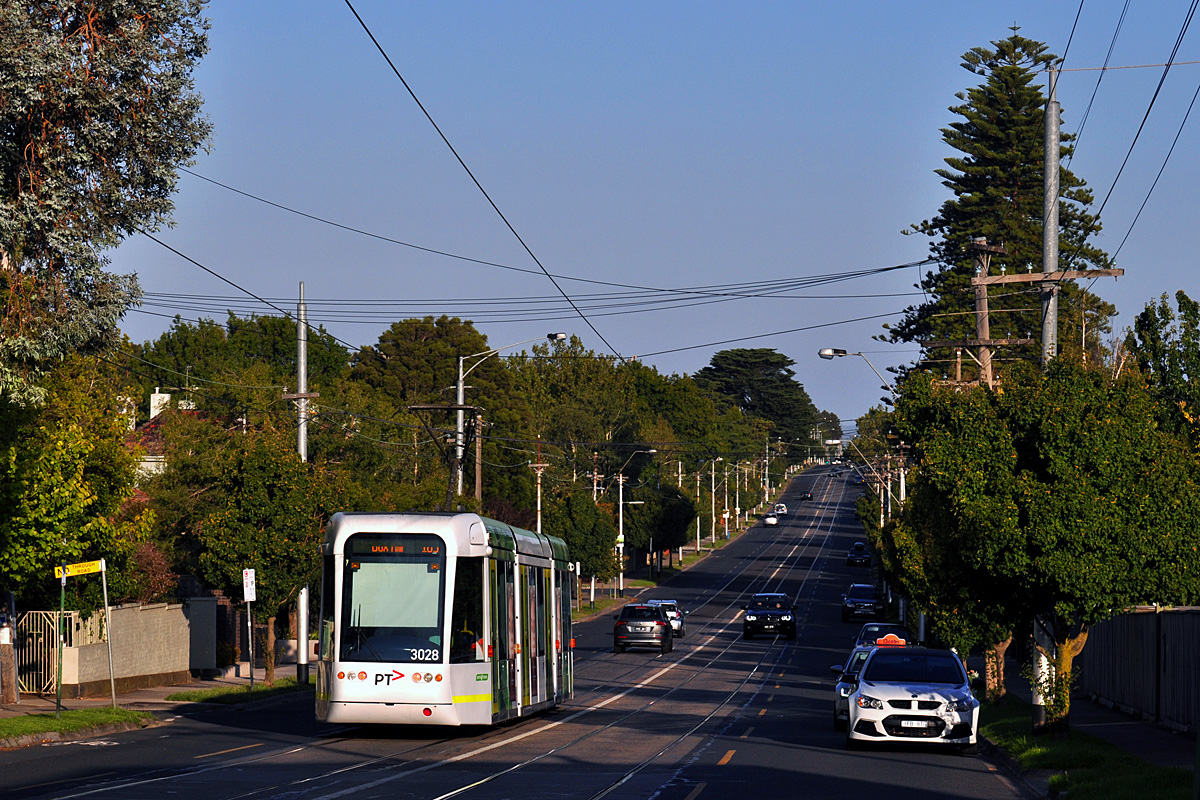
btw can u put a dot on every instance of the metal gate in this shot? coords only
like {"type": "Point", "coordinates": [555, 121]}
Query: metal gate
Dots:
{"type": "Point", "coordinates": [37, 656]}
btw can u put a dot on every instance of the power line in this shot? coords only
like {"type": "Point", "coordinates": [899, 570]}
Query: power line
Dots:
{"type": "Point", "coordinates": [474, 180]}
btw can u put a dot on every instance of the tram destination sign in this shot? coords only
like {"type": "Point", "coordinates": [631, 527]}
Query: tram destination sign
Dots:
{"type": "Point", "coordinates": [410, 545]}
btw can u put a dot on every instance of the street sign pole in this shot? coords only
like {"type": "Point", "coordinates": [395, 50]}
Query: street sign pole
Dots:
{"type": "Point", "coordinates": [112, 681]}
{"type": "Point", "coordinates": [248, 589]}
{"type": "Point", "coordinates": [62, 604]}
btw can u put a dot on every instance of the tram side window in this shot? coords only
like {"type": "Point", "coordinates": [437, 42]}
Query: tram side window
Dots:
{"type": "Point", "coordinates": [466, 638]}
{"type": "Point", "coordinates": [327, 598]}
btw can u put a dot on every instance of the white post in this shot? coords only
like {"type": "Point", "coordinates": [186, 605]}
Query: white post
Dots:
{"type": "Point", "coordinates": [458, 429]}
{"type": "Point", "coordinates": [112, 681]}
{"type": "Point", "coordinates": [250, 641]}
{"type": "Point", "coordinates": [621, 535]}
{"type": "Point", "coordinates": [302, 637]}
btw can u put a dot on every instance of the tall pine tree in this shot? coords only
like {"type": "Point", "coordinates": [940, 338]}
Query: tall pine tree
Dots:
{"type": "Point", "coordinates": [997, 181]}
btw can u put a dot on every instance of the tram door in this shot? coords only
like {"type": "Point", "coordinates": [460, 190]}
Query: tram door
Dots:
{"type": "Point", "coordinates": [504, 639]}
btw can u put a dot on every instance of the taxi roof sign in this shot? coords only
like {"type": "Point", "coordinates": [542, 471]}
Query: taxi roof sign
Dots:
{"type": "Point", "coordinates": [891, 640]}
{"type": "Point", "coordinates": [82, 568]}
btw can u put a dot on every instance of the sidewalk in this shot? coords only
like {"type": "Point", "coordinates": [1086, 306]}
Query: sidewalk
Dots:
{"type": "Point", "coordinates": [1152, 743]}
{"type": "Point", "coordinates": [151, 700]}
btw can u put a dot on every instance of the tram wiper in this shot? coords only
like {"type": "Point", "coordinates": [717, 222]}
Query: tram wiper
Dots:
{"type": "Point", "coordinates": [361, 642]}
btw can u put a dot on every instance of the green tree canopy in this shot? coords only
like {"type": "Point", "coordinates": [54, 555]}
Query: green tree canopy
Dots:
{"type": "Point", "coordinates": [97, 113]}
{"type": "Point", "coordinates": [271, 519]}
{"type": "Point", "coordinates": [761, 383]}
{"type": "Point", "coordinates": [1060, 497]}
{"type": "Point", "coordinates": [1166, 347]}
{"type": "Point", "coordinates": [996, 182]}
{"type": "Point", "coordinates": [65, 478]}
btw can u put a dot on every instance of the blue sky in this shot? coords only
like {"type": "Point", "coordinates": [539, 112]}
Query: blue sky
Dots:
{"type": "Point", "coordinates": [663, 145]}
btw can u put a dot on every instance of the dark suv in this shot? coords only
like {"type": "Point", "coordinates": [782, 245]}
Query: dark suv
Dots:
{"type": "Point", "coordinates": [769, 613]}
{"type": "Point", "coordinates": [862, 600]}
{"type": "Point", "coordinates": [642, 625]}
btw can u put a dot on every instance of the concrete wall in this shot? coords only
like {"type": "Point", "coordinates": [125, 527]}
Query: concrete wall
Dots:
{"type": "Point", "coordinates": [150, 646]}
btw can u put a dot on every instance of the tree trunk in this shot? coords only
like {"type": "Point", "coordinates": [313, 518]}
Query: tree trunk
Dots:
{"type": "Point", "coordinates": [1057, 711]}
{"type": "Point", "coordinates": [997, 686]}
{"type": "Point", "coordinates": [269, 652]}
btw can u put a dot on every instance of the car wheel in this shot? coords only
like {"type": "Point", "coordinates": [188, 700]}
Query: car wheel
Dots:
{"type": "Point", "coordinates": [845, 617]}
{"type": "Point", "coordinates": [852, 744]}
{"type": "Point", "coordinates": [618, 648]}
{"type": "Point", "coordinates": [969, 749]}
{"type": "Point", "coordinates": [746, 634]}
{"type": "Point", "coordinates": [839, 724]}
{"type": "Point", "coordinates": [792, 635]}
{"type": "Point", "coordinates": [666, 646]}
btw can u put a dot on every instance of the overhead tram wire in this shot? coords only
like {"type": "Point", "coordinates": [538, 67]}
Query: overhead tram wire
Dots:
{"type": "Point", "coordinates": [222, 278]}
{"type": "Point", "coordinates": [475, 180]}
{"type": "Point", "coordinates": [702, 290]}
{"type": "Point", "coordinates": [1157, 177]}
{"type": "Point", "coordinates": [1157, 90]}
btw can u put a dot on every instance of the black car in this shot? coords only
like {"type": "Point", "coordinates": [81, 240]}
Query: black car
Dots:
{"type": "Point", "coordinates": [858, 555]}
{"type": "Point", "coordinates": [874, 631]}
{"type": "Point", "coordinates": [862, 600]}
{"type": "Point", "coordinates": [642, 625]}
{"type": "Point", "coordinates": [769, 613]}
{"type": "Point", "coordinates": [806, 496]}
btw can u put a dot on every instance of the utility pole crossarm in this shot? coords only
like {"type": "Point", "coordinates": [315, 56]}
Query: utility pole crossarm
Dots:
{"type": "Point", "coordinates": [1047, 277]}
{"type": "Point", "coordinates": [974, 342]}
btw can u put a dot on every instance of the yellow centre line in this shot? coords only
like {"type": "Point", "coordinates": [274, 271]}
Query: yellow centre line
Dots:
{"type": "Point", "coordinates": [725, 758]}
{"type": "Point", "coordinates": [694, 793]}
{"type": "Point", "coordinates": [749, 731]}
{"type": "Point", "coordinates": [230, 750]}
{"type": "Point", "coordinates": [770, 698]}
{"type": "Point", "coordinates": [762, 711]}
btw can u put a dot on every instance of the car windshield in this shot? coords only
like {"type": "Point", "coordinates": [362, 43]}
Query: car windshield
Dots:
{"type": "Point", "coordinates": [855, 664]}
{"type": "Point", "coordinates": [641, 612]}
{"type": "Point", "coordinates": [768, 603]}
{"type": "Point", "coordinates": [904, 666]}
{"type": "Point", "coordinates": [859, 592]}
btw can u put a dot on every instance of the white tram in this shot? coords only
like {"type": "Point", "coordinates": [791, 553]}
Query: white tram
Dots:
{"type": "Point", "coordinates": [441, 619]}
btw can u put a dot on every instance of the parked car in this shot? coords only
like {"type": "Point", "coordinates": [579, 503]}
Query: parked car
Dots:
{"type": "Point", "coordinates": [770, 519]}
{"type": "Point", "coordinates": [675, 615]}
{"type": "Point", "coordinates": [642, 625]}
{"type": "Point", "coordinates": [769, 613]}
{"type": "Point", "coordinates": [847, 679]}
{"type": "Point", "coordinates": [858, 555]}
{"type": "Point", "coordinates": [874, 631]}
{"type": "Point", "coordinates": [913, 695]}
{"type": "Point", "coordinates": [862, 600]}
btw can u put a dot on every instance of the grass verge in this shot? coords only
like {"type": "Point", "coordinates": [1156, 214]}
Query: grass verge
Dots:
{"type": "Point", "coordinates": [232, 695]}
{"type": "Point", "coordinates": [1088, 768]}
{"type": "Point", "coordinates": [70, 721]}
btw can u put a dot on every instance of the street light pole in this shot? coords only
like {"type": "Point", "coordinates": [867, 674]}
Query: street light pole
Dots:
{"type": "Point", "coordinates": [712, 496]}
{"type": "Point", "coordinates": [621, 519]}
{"type": "Point", "coordinates": [830, 353]}
{"type": "Point", "coordinates": [460, 398]}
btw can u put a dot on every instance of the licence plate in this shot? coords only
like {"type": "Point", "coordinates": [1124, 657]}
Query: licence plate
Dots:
{"type": "Point", "coordinates": [639, 628]}
{"type": "Point", "coordinates": [913, 723]}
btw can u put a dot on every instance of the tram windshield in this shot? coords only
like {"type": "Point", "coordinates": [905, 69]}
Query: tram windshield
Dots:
{"type": "Point", "coordinates": [393, 598]}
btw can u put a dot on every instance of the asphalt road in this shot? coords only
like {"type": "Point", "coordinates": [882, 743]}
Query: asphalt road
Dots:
{"type": "Point", "coordinates": [716, 719]}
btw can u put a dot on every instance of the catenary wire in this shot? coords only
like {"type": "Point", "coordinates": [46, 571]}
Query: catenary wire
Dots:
{"type": "Point", "coordinates": [474, 180]}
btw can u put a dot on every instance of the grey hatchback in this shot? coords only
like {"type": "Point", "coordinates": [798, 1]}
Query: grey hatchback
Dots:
{"type": "Point", "coordinates": [642, 625]}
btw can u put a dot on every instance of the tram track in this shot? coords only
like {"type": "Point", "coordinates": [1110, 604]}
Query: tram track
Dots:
{"type": "Point", "coordinates": [429, 755]}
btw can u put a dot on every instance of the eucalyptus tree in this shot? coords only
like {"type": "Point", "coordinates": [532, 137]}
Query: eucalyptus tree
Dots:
{"type": "Point", "coordinates": [97, 114]}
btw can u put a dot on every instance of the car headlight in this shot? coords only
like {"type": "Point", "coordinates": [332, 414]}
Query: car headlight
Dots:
{"type": "Point", "coordinates": [961, 705]}
{"type": "Point", "coordinates": [865, 701]}
{"type": "Point", "coordinates": [844, 691]}
{"type": "Point", "coordinates": [750, 618]}
{"type": "Point", "coordinates": [787, 617]}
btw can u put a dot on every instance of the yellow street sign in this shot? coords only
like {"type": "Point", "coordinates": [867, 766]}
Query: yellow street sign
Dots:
{"type": "Point", "coordinates": [82, 568]}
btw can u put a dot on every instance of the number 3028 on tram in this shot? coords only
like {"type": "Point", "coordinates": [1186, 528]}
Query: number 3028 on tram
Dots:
{"type": "Point", "coordinates": [441, 619]}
